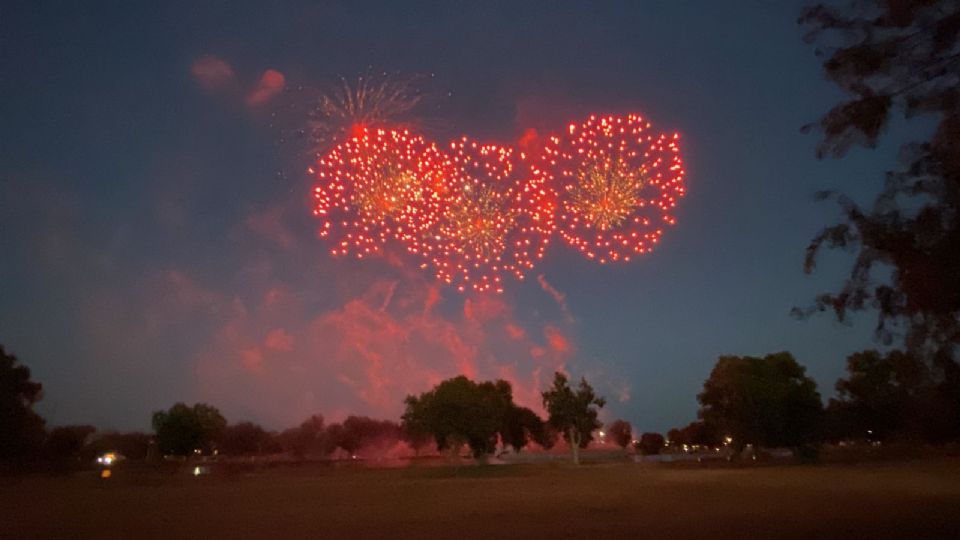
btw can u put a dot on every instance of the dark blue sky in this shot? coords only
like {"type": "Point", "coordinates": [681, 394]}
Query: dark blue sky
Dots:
{"type": "Point", "coordinates": [157, 242]}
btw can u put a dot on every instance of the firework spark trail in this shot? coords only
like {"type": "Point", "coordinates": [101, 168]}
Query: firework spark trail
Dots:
{"type": "Point", "coordinates": [616, 183]}
{"type": "Point", "coordinates": [492, 223]}
{"type": "Point", "coordinates": [372, 101]}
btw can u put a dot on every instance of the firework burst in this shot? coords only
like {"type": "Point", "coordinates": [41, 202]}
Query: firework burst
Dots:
{"type": "Point", "coordinates": [616, 184]}
{"type": "Point", "coordinates": [371, 101]}
{"type": "Point", "coordinates": [377, 186]}
{"type": "Point", "coordinates": [494, 221]}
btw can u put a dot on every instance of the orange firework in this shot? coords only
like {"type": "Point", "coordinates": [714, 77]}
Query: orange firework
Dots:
{"type": "Point", "coordinates": [377, 186]}
{"type": "Point", "coordinates": [495, 219]}
{"type": "Point", "coordinates": [616, 183]}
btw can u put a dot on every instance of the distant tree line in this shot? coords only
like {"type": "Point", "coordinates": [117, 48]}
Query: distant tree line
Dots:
{"type": "Point", "coordinates": [766, 401]}
{"type": "Point", "coordinates": [457, 412]}
{"type": "Point", "coordinates": [771, 402]}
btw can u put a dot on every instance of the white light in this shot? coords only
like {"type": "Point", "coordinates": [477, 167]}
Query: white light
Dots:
{"type": "Point", "coordinates": [196, 471]}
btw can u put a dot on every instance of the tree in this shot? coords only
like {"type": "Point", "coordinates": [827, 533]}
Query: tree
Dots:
{"type": "Point", "coordinates": [415, 435]}
{"type": "Point", "coordinates": [573, 413]}
{"type": "Point", "coordinates": [694, 433]}
{"type": "Point", "coordinates": [897, 58]}
{"type": "Point", "coordinates": [650, 444]}
{"type": "Point", "coordinates": [244, 438]}
{"type": "Point", "coordinates": [64, 445]}
{"type": "Point", "coordinates": [891, 396]}
{"type": "Point", "coordinates": [520, 426]}
{"type": "Point", "coordinates": [22, 429]}
{"type": "Point", "coordinates": [621, 433]}
{"type": "Point", "coordinates": [133, 445]}
{"type": "Point", "coordinates": [362, 432]}
{"type": "Point", "coordinates": [307, 438]}
{"type": "Point", "coordinates": [460, 411]}
{"type": "Point", "coordinates": [181, 430]}
{"type": "Point", "coordinates": [767, 401]}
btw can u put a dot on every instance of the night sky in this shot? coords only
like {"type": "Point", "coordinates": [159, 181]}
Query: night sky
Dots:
{"type": "Point", "coordinates": [157, 241]}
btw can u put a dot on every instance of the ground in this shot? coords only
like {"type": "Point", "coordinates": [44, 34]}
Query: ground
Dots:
{"type": "Point", "coordinates": [919, 499]}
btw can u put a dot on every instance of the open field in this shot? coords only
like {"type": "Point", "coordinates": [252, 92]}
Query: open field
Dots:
{"type": "Point", "coordinates": [919, 499]}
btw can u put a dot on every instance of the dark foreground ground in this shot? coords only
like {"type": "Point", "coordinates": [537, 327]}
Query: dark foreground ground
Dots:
{"type": "Point", "coordinates": [496, 502]}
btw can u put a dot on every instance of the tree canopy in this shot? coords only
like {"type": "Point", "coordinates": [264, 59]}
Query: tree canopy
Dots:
{"type": "Point", "coordinates": [22, 429]}
{"type": "Point", "coordinates": [244, 438]}
{"type": "Point", "coordinates": [891, 396]}
{"type": "Point", "coordinates": [183, 429]}
{"type": "Point", "coordinates": [460, 411]}
{"type": "Point", "coordinates": [650, 444]}
{"type": "Point", "coordinates": [573, 412]}
{"type": "Point", "coordinates": [621, 433]}
{"type": "Point", "coordinates": [767, 401]}
{"type": "Point", "coordinates": [896, 58]}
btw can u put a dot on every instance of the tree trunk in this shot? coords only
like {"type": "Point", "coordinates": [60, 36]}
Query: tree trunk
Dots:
{"type": "Point", "coordinates": [575, 445]}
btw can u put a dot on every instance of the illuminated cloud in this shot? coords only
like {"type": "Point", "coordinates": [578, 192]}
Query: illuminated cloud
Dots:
{"type": "Point", "coordinates": [279, 340]}
{"type": "Point", "coordinates": [367, 354]}
{"type": "Point", "coordinates": [270, 84]}
{"type": "Point", "coordinates": [558, 297]}
{"type": "Point", "coordinates": [556, 339]}
{"type": "Point", "coordinates": [212, 73]}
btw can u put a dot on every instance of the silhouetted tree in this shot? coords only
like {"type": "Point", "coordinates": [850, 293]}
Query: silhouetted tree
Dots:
{"type": "Point", "coordinates": [891, 396]}
{"type": "Point", "coordinates": [459, 411]}
{"type": "Point", "coordinates": [520, 426]}
{"type": "Point", "coordinates": [767, 401]}
{"type": "Point", "coordinates": [650, 444]}
{"type": "Point", "coordinates": [416, 435]}
{"type": "Point", "coordinates": [696, 432]}
{"type": "Point", "coordinates": [132, 445]}
{"type": "Point", "coordinates": [307, 438]}
{"type": "Point", "coordinates": [331, 438]}
{"type": "Point", "coordinates": [362, 432]}
{"type": "Point", "coordinates": [573, 412]}
{"type": "Point", "coordinates": [244, 438]}
{"type": "Point", "coordinates": [183, 429]}
{"type": "Point", "coordinates": [21, 429]}
{"type": "Point", "coordinates": [896, 58]}
{"type": "Point", "coordinates": [621, 433]}
{"type": "Point", "coordinates": [64, 445]}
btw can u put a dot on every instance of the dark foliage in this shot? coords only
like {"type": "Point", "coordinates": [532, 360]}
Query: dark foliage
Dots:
{"type": "Point", "coordinates": [21, 430]}
{"type": "Point", "coordinates": [891, 397]}
{"type": "Point", "coordinates": [620, 433]}
{"type": "Point", "coordinates": [182, 429]}
{"type": "Point", "coordinates": [244, 439]}
{"type": "Point", "coordinates": [896, 58]}
{"type": "Point", "coordinates": [694, 433]}
{"type": "Point", "coordinates": [573, 412]}
{"type": "Point", "coordinates": [63, 448]}
{"type": "Point", "coordinates": [767, 401]}
{"type": "Point", "coordinates": [650, 444]}
{"type": "Point", "coordinates": [306, 439]}
{"type": "Point", "coordinates": [460, 411]}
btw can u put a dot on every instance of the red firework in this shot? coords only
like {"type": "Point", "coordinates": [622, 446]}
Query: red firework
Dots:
{"type": "Point", "coordinates": [495, 221]}
{"type": "Point", "coordinates": [377, 186]}
{"type": "Point", "coordinates": [616, 184]}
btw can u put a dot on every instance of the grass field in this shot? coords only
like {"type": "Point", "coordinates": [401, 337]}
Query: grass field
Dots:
{"type": "Point", "coordinates": [889, 500]}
